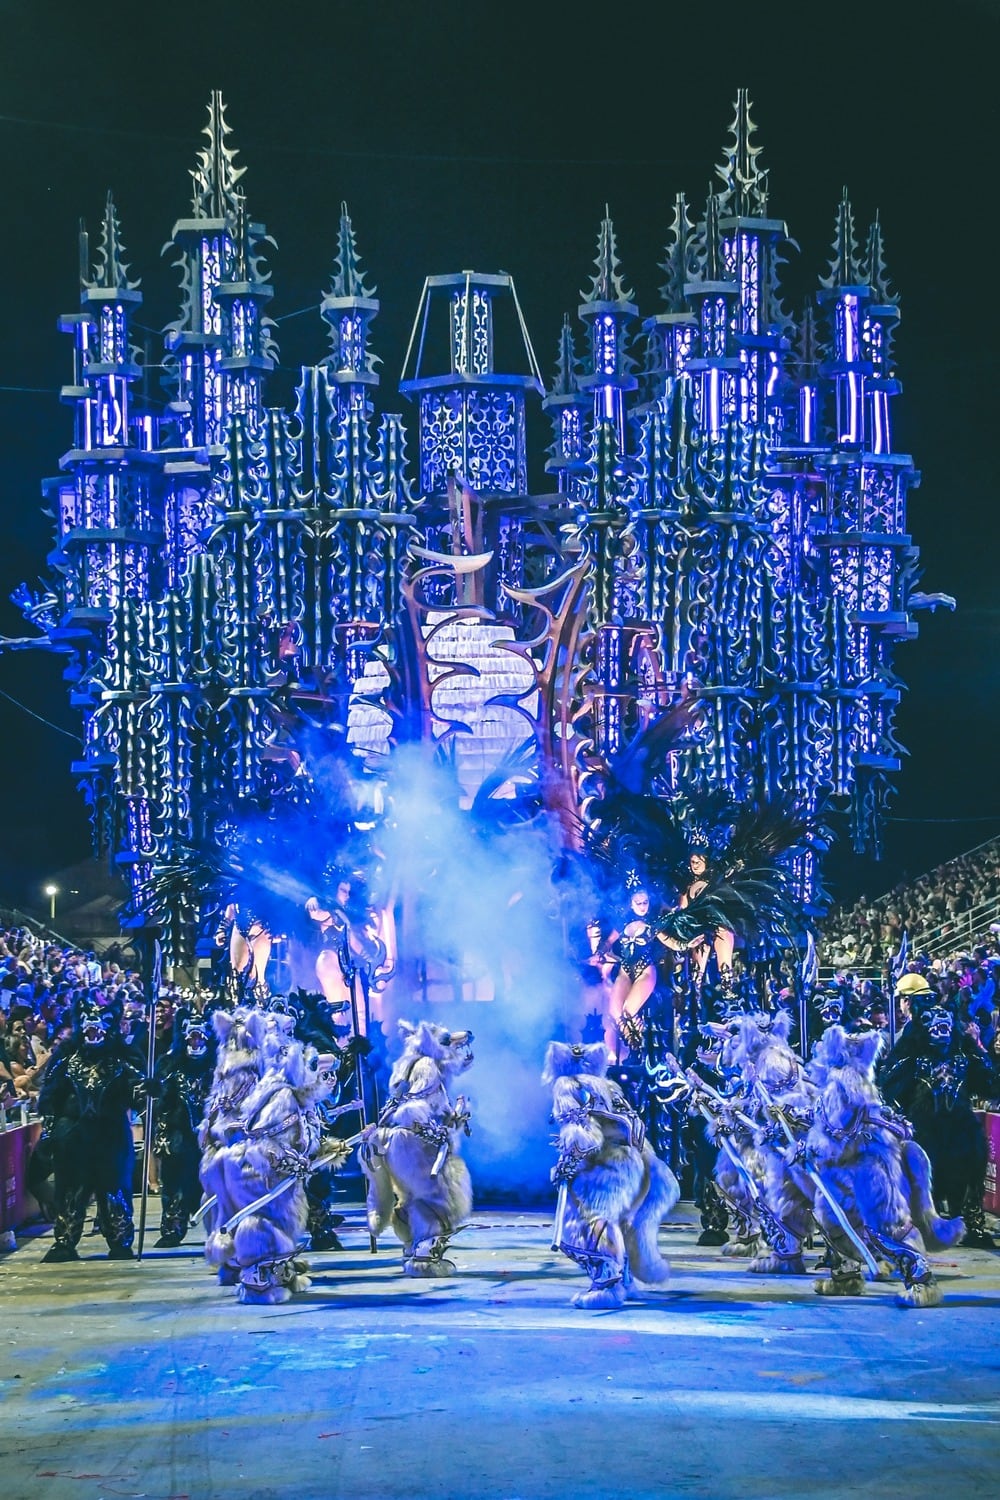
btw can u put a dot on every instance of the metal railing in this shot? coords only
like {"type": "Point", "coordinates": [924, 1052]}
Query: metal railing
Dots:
{"type": "Point", "coordinates": [826, 972]}
{"type": "Point", "coordinates": [962, 930]}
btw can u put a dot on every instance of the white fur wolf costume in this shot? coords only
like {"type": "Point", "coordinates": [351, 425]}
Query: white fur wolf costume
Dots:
{"type": "Point", "coordinates": [280, 1138]}
{"type": "Point", "coordinates": [755, 1047]}
{"type": "Point", "coordinates": [879, 1176]}
{"type": "Point", "coordinates": [617, 1191]}
{"type": "Point", "coordinates": [238, 1068]}
{"type": "Point", "coordinates": [417, 1182]}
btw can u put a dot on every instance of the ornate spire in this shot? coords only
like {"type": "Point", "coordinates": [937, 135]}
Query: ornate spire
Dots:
{"type": "Point", "coordinates": [844, 267]}
{"type": "Point", "coordinates": [874, 267]}
{"type": "Point", "coordinates": [216, 174]}
{"type": "Point", "coordinates": [744, 183]}
{"type": "Point", "coordinates": [808, 352]}
{"type": "Point", "coordinates": [711, 249]}
{"type": "Point", "coordinates": [348, 278]}
{"type": "Point", "coordinates": [607, 284]}
{"type": "Point", "coordinates": [565, 383]}
{"type": "Point", "coordinates": [679, 257]}
{"type": "Point", "coordinates": [110, 266]}
{"type": "Point", "coordinates": [348, 308]}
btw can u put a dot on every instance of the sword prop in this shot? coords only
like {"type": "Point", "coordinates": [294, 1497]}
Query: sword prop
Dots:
{"type": "Point", "coordinates": [342, 1109]}
{"type": "Point", "coordinates": [560, 1221]}
{"type": "Point", "coordinates": [703, 1092]}
{"type": "Point", "coordinates": [701, 1087]}
{"type": "Point", "coordinates": [203, 1208]}
{"type": "Point", "coordinates": [331, 1114]}
{"type": "Point", "coordinates": [817, 1181]}
{"type": "Point", "coordinates": [350, 971]}
{"type": "Point", "coordinates": [461, 1117]}
{"type": "Point", "coordinates": [284, 1185]}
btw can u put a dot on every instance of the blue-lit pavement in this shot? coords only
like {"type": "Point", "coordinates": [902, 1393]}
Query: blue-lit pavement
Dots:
{"type": "Point", "coordinates": [151, 1381]}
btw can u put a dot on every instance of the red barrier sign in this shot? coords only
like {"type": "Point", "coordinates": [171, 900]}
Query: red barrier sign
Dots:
{"type": "Point", "coordinates": [16, 1203]}
{"type": "Point", "coordinates": [991, 1197]}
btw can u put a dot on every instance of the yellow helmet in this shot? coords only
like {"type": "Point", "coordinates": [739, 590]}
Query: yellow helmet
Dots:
{"type": "Point", "coordinates": [913, 984]}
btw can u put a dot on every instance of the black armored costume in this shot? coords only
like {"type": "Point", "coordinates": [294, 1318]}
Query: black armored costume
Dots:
{"type": "Point", "coordinates": [183, 1081]}
{"type": "Point", "coordinates": [91, 1086]}
{"type": "Point", "coordinates": [932, 1075]}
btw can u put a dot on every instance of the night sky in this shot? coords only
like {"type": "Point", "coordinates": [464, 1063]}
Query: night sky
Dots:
{"type": "Point", "coordinates": [490, 137]}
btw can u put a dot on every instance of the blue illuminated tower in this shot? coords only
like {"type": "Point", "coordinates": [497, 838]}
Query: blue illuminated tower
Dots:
{"type": "Point", "coordinates": [108, 527]}
{"type": "Point", "coordinates": [104, 523]}
{"type": "Point", "coordinates": [608, 312]}
{"type": "Point", "coordinates": [862, 533]}
{"type": "Point", "coordinates": [569, 411]}
{"type": "Point", "coordinates": [348, 308]}
{"type": "Point", "coordinates": [471, 414]}
{"type": "Point", "coordinates": [670, 334]}
{"type": "Point", "coordinates": [219, 349]}
{"type": "Point", "coordinates": [356, 495]}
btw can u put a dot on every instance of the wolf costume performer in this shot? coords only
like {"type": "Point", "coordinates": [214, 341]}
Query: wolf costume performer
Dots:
{"type": "Point", "coordinates": [878, 1175]}
{"type": "Point", "coordinates": [239, 1065]}
{"type": "Point", "coordinates": [257, 1245]}
{"type": "Point", "coordinates": [932, 1074]}
{"type": "Point", "coordinates": [91, 1086]}
{"type": "Point", "coordinates": [315, 1025]}
{"type": "Point", "coordinates": [183, 1078]}
{"type": "Point", "coordinates": [417, 1181]}
{"type": "Point", "coordinates": [614, 1191]}
{"type": "Point", "coordinates": [751, 1170]}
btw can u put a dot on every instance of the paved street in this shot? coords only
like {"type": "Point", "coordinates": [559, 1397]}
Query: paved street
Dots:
{"type": "Point", "coordinates": [151, 1381]}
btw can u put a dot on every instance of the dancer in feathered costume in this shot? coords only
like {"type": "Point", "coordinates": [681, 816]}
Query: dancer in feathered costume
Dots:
{"type": "Point", "coordinates": [742, 891]}
{"type": "Point", "coordinates": [614, 1191]}
{"type": "Point", "coordinates": [91, 1086]}
{"type": "Point", "coordinates": [417, 1181]}
{"type": "Point", "coordinates": [933, 1074]}
{"type": "Point", "coordinates": [183, 1078]}
{"type": "Point", "coordinates": [717, 865]}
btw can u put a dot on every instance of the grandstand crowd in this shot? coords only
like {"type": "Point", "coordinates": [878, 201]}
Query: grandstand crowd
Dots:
{"type": "Point", "coordinates": [869, 934]}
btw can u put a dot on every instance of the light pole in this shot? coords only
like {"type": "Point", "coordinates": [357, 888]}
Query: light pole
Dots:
{"type": "Point", "coordinates": [52, 892]}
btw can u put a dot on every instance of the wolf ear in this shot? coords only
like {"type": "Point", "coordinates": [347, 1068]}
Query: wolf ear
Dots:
{"type": "Point", "coordinates": [294, 1065]}
{"type": "Point", "coordinates": [222, 1024]}
{"type": "Point", "coordinates": [559, 1062]}
{"type": "Point", "coordinates": [564, 1061]}
{"type": "Point", "coordinates": [831, 1049]}
{"type": "Point", "coordinates": [428, 1041]}
{"type": "Point", "coordinates": [405, 1028]}
{"type": "Point", "coordinates": [256, 1026]}
{"type": "Point", "coordinates": [867, 1048]}
{"type": "Point", "coordinates": [781, 1026]}
{"type": "Point", "coordinates": [596, 1060]}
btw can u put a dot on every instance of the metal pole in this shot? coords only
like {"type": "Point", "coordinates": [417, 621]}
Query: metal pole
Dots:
{"type": "Point", "coordinates": [151, 976]}
{"type": "Point", "coordinates": [350, 972]}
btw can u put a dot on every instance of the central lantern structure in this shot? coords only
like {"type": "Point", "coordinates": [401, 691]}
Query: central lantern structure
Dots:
{"type": "Point", "coordinates": [727, 518]}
